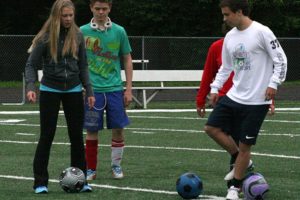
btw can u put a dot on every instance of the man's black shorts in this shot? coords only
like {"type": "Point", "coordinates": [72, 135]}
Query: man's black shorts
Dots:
{"type": "Point", "coordinates": [239, 120]}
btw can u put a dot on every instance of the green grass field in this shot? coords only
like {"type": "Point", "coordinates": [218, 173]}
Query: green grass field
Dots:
{"type": "Point", "coordinates": [160, 146]}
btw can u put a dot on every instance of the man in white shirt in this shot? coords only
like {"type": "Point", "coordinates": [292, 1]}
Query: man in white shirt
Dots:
{"type": "Point", "coordinates": [259, 63]}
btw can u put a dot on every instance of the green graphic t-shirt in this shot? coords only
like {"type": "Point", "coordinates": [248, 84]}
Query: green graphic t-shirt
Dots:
{"type": "Point", "coordinates": [104, 49]}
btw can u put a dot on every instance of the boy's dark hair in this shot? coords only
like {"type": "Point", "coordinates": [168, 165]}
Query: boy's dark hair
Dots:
{"type": "Point", "coordinates": [235, 5]}
{"type": "Point", "coordinates": [102, 1]}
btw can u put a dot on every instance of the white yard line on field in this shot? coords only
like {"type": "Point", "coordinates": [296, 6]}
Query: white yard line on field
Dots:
{"type": "Point", "coordinates": [284, 112]}
{"type": "Point", "coordinates": [164, 148]}
{"type": "Point", "coordinates": [197, 118]}
{"type": "Point", "coordinates": [280, 134]}
{"type": "Point", "coordinates": [155, 129]}
{"type": "Point", "coordinates": [143, 132]}
{"type": "Point", "coordinates": [139, 111]}
{"type": "Point", "coordinates": [203, 197]}
{"type": "Point", "coordinates": [11, 120]}
{"type": "Point", "coordinates": [25, 134]}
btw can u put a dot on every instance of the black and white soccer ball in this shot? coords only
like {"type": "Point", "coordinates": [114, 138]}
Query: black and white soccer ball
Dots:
{"type": "Point", "coordinates": [72, 180]}
{"type": "Point", "coordinates": [189, 185]}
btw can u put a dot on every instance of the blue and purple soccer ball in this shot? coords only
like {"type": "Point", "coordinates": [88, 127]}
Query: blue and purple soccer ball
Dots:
{"type": "Point", "coordinates": [189, 185]}
{"type": "Point", "coordinates": [255, 187]}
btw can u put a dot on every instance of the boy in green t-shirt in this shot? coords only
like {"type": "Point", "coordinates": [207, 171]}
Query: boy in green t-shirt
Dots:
{"type": "Point", "coordinates": [106, 44]}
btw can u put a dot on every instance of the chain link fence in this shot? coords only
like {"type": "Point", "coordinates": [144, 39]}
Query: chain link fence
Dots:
{"type": "Point", "coordinates": [163, 53]}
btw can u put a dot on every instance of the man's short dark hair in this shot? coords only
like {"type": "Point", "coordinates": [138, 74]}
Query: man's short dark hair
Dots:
{"type": "Point", "coordinates": [102, 1]}
{"type": "Point", "coordinates": [235, 5]}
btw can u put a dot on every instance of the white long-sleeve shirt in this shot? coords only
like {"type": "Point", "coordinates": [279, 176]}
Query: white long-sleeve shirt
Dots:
{"type": "Point", "coordinates": [258, 62]}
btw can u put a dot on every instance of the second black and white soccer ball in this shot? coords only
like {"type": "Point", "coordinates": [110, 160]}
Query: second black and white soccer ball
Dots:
{"type": "Point", "coordinates": [72, 180]}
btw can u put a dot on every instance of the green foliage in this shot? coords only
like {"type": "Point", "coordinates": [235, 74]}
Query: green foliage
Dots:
{"type": "Point", "coordinates": [10, 84]}
{"type": "Point", "coordinates": [282, 16]}
{"type": "Point", "coordinates": [156, 18]}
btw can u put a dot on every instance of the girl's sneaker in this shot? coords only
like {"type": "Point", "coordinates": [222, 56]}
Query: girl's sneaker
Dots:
{"type": "Point", "coordinates": [41, 190]}
{"type": "Point", "coordinates": [86, 188]}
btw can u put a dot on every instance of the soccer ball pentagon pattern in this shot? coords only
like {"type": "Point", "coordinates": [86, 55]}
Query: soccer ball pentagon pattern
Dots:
{"type": "Point", "coordinates": [189, 185]}
{"type": "Point", "coordinates": [255, 187]}
{"type": "Point", "coordinates": [72, 179]}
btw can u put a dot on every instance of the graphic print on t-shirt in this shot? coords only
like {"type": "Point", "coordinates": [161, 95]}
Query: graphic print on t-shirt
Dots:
{"type": "Point", "coordinates": [241, 60]}
{"type": "Point", "coordinates": [101, 59]}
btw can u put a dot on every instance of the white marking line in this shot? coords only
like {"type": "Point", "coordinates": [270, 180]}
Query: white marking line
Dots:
{"type": "Point", "coordinates": [164, 148]}
{"type": "Point", "coordinates": [11, 120]}
{"type": "Point", "coordinates": [139, 111]}
{"type": "Point", "coordinates": [155, 129]}
{"type": "Point", "coordinates": [36, 125]}
{"type": "Point", "coordinates": [280, 134]}
{"type": "Point", "coordinates": [21, 112]}
{"type": "Point", "coordinates": [284, 112]}
{"type": "Point", "coordinates": [194, 110]}
{"type": "Point", "coordinates": [160, 117]}
{"type": "Point", "coordinates": [198, 118]}
{"type": "Point", "coordinates": [208, 197]}
{"type": "Point", "coordinates": [165, 129]}
{"type": "Point", "coordinates": [282, 121]}
{"type": "Point", "coordinates": [143, 132]}
{"type": "Point", "coordinates": [26, 134]}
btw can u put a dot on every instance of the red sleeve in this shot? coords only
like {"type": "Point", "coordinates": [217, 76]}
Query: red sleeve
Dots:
{"type": "Point", "coordinates": [227, 85]}
{"type": "Point", "coordinates": [212, 64]}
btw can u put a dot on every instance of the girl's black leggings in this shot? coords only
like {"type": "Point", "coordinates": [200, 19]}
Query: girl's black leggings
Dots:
{"type": "Point", "coordinates": [72, 104]}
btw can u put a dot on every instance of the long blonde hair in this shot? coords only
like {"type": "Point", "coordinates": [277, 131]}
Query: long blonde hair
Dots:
{"type": "Point", "coordinates": [52, 26]}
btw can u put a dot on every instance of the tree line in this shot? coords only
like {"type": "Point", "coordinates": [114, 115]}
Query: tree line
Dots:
{"type": "Point", "coordinates": [191, 18]}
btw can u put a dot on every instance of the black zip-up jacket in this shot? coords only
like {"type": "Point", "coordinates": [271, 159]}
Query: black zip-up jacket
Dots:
{"type": "Point", "coordinates": [66, 74]}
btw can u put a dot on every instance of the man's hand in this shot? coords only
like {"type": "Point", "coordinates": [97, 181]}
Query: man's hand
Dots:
{"type": "Point", "coordinates": [270, 94]}
{"type": "Point", "coordinates": [214, 97]}
{"type": "Point", "coordinates": [31, 96]}
{"type": "Point", "coordinates": [201, 111]}
{"type": "Point", "coordinates": [271, 109]}
{"type": "Point", "coordinates": [91, 101]}
{"type": "Point", "coordinates": [127, 97]}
